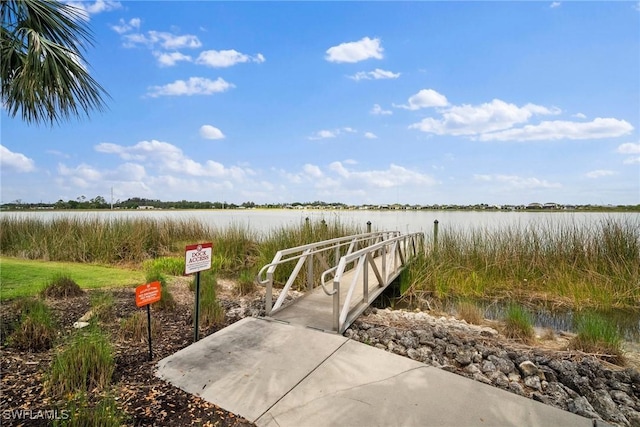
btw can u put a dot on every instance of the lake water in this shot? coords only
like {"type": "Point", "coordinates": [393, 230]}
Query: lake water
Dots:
{"type": "Point", "coordinates": [407, 221]}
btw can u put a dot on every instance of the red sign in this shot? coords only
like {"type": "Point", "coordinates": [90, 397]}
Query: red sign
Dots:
{"type": "Point", "coordinates": [148, 293]}
{"type": "Point", "coordinates": [197, 257]}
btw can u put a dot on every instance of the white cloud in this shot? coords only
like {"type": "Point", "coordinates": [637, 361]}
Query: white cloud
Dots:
{"type": "Point", "coordinates": [355, 51]}
{"type": "Point", "coordinates": [163, 39]}
{"type": "Point", "coordinates": [170, 159]}
{"type": "Point", "coordinates": [193, 86]}
{"type": "Point", "coordinates": [15, 161]}
{"type": "Point", "coordinates": [392, 177]}
{"type": "Point", "coordinates": [579, 116]}
{"type": "Point", "coordinates": [82, 175]}
{"type": "Point", "coordinates": [377, 110]}
{"type": "Point", "coordinates": [599, 173]}
{"type": "Point", "coordinates": [629, 148]}
{"type": "Point", "coordinates": [370, 135]}
{"type": "Point", "coordinates": [515, 181]}
{"type": "Point", "coordinates": [87, 9]}
{"type": "Point", "coordinates": [324, 134]}
{"type": "Point", "coordinates": [376, 74]}
{"type": "Point", "coordinates": [555, 4]}
{"type": "Point", "coordinates": [631, 160]}
{"type": "Point", "coordinates": [211, 132]}
{"type": "Point", "coordinates": [424, 99]}
{"type": "Point", "coordinates": [169, 59]}
{"type": "Point", "coordinates": [313, 171]}
{"type": "Point", "coordinates": [478, 119]}
{"type": "Point", "coordinates": [226, 58]}
{"type": "Point", "coordinates": [126, 26]}
{"type": "Point", "coordinates": [558, 129]}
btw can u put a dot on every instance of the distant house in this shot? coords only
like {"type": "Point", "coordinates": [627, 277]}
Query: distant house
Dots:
{"type": "Point", "coordinates": [146, 207]}
{"type": "Point", "coordinates": [534, 206]}
{"type": "Point", "coordinates": [551, 206]}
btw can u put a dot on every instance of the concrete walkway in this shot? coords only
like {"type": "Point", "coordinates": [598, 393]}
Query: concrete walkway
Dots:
{"type": "Point", "coordinates": [276, 374]}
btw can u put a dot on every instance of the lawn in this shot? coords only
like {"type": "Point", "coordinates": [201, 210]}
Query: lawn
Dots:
{"type": "Point", "coordinates": [19, 277]}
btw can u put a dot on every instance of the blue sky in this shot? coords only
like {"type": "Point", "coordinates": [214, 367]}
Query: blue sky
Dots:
{"type": "Point", "coordinates": [353, 102]}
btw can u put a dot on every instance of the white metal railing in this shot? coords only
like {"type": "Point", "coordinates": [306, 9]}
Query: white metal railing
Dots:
{"type": "Point", "coordinates": [396, 251]}
{"type": "Point", "coordinates": [310, 254]}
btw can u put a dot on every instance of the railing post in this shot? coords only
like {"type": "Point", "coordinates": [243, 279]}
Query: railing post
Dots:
{"type": "Point", "coordinates": [336, 306]}
{"type": "Point", "coordinates": [435, 236]}
{"type": "Point", "coordinates": [310, 272]}
{"type": "Point", "coordinates": [365, 280]}
{"type": "Point", "coordinates": [368, 226]}
{"type": "Point", "coordinates": [268, 299]}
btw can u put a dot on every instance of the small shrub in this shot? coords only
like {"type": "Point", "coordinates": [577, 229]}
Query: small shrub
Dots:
{"type": "Point", "coordinates": [134, 328]}
{"type": "Point", "coordinates": [62, 286]}
{"type": "Point", "coordinates": [85, 365]}
{"type": "Point", "coordinates": [167, 301]}
{"type": "Point", "coordinates": [469, 312]}
{"type": "Point", "coordinates": [102, 306]}
{"type": "Point", "coordinates": [167, 265]}
{"type": "Point", "coordinates": [246, 282]}
{"type": "Point", "coordinates": [519, 324]}
{"type": "Point", "coordinates": [595, 334]}
{"type": "Point", "coordinates": [211, 312]}
{"type": "Point", "coordinates": [104, 413]}
{"type": "Point", "coordinates": [37, 329]}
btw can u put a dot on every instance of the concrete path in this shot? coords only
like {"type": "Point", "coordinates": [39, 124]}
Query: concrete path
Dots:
{"type": "Point", "coordinates": [276, 374]}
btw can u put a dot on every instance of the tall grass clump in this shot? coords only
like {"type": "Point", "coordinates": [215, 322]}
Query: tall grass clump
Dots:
{"type": "Point", "coordinates": [167, 301]}
{"type": "Point", "coordinates": [102, 306]}
{"type": "Point", "coordinates": [596, 334]}
{"type": "Point", "coordinates": [470, 312]}
{"type": "Point", "coordinates": [61, 286]}
{"type": "Point", "coordinates": [37, 329]}
{"type": "Point", "coordinates": [134, 327]}
{"type": "Point", "coordinates": [305, 233]}
{"type": "Point", "coordinates": [82, 413]}
{"type": "Point", "coordinates": [246, 282]}
{"type": "Point", "coordinates": [518, 324]}
{"type": "Point", "coordinates": [211, 311]}
{"type": "Point", "coordinates": [234, 248]}
{"type": "Point", "coordinates": [86, 364]}
{"type": "Point", "coordinates": [565, 263]}
{"type": "Point", "coordinates": [91, 239]}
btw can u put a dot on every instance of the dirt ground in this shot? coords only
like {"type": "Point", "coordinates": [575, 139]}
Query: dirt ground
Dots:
{"type": "Point", "coordinates": [146, 400]}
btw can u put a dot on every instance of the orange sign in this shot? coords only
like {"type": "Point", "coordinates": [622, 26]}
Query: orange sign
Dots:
{"type": "Point", "coordinates": [148, 294]}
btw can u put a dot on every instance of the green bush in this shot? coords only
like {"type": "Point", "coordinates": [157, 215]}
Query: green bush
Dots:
{"type": "Point", "coordinates": [246, 282]}
{"type": "Point", "coordinates": [102, 306]}
{"type": "Point", "coordinates": [86, 364]}
{"type": "Point", "coordinates": [172, 266]}
{"type": "Point", "coordinates": [135, 327]}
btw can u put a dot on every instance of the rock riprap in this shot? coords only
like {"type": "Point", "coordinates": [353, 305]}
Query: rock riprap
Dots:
{"type": "Point", "coordinates": [568, 380]}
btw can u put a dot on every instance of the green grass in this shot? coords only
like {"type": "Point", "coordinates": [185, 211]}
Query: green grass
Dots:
{"type": "Point", "coordinates": [37, 330]}
{"type": "Point", "coordinates": [595, 334]}
{"type": "Point", "coordinates": [566, 264]}
{"type": "Point", "coordinates": [86, 364]}
{"type": "Point", "coordinates": [20, 278]}
{"type": "Point", "coordinates": [211, 312]}
{"type": "Point", "coordinates": [518, 324]}
{"type": "Point", "coordinates": [61, 286]}
{"type": "Point", "coordinates": [104, 413]}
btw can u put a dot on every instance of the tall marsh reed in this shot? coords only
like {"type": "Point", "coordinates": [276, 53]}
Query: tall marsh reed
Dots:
{"type": "Point", "coordinates": [560, 264]}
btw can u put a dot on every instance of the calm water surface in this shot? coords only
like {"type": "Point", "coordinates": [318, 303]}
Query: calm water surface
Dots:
{"type": "Point", "coordinates": [264, 220]}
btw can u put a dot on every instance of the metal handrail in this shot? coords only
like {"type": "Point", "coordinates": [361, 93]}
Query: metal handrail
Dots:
{"type": "Point", "coordinates": [306, 252]}
{"type": "Point", "coordinates": [363, 256]}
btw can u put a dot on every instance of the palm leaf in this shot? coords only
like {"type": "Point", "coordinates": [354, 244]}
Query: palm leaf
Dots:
{"type": "Point", "coordinates": [43, 76]}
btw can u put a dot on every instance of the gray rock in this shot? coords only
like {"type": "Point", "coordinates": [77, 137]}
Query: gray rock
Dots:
{"type": "Point", "coordinates": [414, 354]}
{"type": "Point", "coordinates": [528, 368]}
{"type": "Point", "coordinates": [606, 407]}
{"type": "Point", "coordinates": [488, 366]}
{"type": "Point", "coordinates": [581, 406]}
{"type": "Point", "coordinates": [533, 382]}
{"type": "Point", "coordinates": [622, 398]}
{"type": "Point", "coordinates": [517, 388]}
{"type": "Point", "coordinates": [503, 364]}
{"type": "Point", "coordinates": [632, 416]}
{"type": "Point", "coordinates": [481, 378]}
{"type": "Point", "coordinates": [499, 379]}
{"type": "Point", "coordinates": [463, 357]}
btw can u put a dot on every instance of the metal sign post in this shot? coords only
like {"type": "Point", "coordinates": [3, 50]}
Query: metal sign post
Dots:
{"type": "Point", "coordinates": [147, 294]}
{"type": "Point", "coordinates": [197, 258]}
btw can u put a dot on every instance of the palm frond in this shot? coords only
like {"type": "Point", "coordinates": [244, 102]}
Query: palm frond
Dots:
{"type": "Point", "coordinates": [43, 73]}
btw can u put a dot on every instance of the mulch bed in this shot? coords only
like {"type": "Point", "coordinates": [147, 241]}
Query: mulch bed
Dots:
{"type": "Point", "coordinates": [146, 399]}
